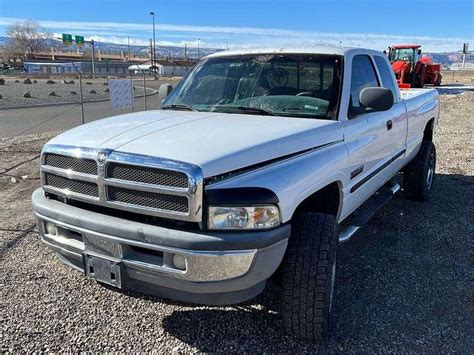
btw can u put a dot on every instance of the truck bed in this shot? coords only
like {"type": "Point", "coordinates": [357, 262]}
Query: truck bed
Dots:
{"type": "Point", "coordinates": [407, 94]}
{"type": "Point", "coordinates": [421, 105]}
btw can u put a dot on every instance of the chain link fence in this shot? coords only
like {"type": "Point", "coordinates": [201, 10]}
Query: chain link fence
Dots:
{"type": "Point", "coordinates": [40, 103]}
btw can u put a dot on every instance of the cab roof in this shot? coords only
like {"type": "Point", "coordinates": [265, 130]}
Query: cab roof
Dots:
{"type": "Point", "coordinates": [397, 46]}
{"type": "Point", "coordinates": [334, 50]}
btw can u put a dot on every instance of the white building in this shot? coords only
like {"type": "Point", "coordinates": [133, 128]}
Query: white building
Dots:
{"type": "Point", "coordinates": [164, 67]}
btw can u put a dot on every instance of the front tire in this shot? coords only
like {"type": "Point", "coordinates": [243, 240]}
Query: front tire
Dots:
{"type": "Point", "coordinates": [419, 174]}
{"type": "Point", "coordinates": [309, 273]}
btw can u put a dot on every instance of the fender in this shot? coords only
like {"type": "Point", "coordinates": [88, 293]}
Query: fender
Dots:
{"type": "Point", "coordinates": [295, 179]}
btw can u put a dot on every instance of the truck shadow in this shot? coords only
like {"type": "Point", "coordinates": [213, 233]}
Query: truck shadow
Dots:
{"type": "Point", "coordinates": [394, 291]}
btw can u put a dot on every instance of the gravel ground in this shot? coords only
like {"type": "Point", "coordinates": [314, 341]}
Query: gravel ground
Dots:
{"type": "Point", "coordinates": [405, 282]}
{"type": "Point", "coordinates": [12, 92]}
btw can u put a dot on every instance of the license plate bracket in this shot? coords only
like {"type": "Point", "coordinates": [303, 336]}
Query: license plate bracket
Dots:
{"type": "Point", "coordinates": [103, 269]}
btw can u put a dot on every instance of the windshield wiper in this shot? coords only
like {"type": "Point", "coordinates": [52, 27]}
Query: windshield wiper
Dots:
{"type": "Point", "coordinates": [178, 107]}
{"type": "Point", "coordinates": [256, 110]}
{"type": "Point", "coordinates": [250, 110]}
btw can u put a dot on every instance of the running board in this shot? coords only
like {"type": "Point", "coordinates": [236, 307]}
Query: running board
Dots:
{"type": "Point", "coordinates": [380, 198]}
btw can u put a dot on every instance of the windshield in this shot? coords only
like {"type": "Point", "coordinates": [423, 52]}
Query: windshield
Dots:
{"type": "Point", "coordinates": [405, 54]}
{"type": "Point", "coordinates": [285, 85]}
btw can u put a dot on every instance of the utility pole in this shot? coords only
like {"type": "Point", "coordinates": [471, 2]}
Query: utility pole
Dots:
{"type": "Point", "coordinates": [465, 51]}
{"type": "Point", "coordinates": [227, 45]}
{"type": "Point", "coordinates": [154, 43]}
{"type": "Point", "coordinates": [128, 47]}
{"type": "Point", "coordinates": [185, 51]}
{"type": "Point", "coordinates": [199, 40]}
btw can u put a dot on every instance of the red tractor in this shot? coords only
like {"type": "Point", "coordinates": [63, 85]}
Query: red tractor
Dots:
{"type": "Point", "coordinates": [411, 68]}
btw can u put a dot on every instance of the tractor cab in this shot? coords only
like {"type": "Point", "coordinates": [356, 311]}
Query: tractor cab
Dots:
{"type": "Point", "coordinates": [411, 68]}
{"type": "Point", "coordinates": [406, 53]}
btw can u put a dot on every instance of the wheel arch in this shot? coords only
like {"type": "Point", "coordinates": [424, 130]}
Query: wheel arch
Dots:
{"type": "Point", "coordinates": [429, 130]}
{"type": "Point", "coordinates": [327, 199]}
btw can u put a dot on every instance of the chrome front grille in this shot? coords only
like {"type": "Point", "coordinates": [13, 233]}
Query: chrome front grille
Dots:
{"type": "Point", "coordinates": [135, 183]}
{"type": "Point", "coordinates": [147, 175]}
{"type": "Point", "coordinates": [75, 186]}
{"type": "Point", "coordinates": [85, 166]}
{"type": "Point", "coordinates": [148, 199]}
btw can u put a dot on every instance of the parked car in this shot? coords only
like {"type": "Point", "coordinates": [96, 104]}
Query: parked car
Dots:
{"type": "Point", "coordinates": [245, 173]}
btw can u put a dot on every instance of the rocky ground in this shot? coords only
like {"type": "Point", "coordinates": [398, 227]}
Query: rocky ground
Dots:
{"type": "Point", "coordinates": [405, 282]}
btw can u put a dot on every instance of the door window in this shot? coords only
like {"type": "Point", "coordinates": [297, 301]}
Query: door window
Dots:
{"type": "Point", "coordinates": [363, 76]}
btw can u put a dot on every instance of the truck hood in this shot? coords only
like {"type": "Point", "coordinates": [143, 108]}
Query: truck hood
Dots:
{"type": "Point", "coordinates": [216, 142]}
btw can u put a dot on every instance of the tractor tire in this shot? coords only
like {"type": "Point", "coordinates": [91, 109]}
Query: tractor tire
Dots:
{"type": "Point", "coordinates": [419, 174]}
{"type": "Point", "coordinates": [309, 273]}
{"type": "Point", "coordinates": [420, 77]}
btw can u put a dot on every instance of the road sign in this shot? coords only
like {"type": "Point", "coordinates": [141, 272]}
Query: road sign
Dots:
{"type": "Point", "coordinates": [67, 39]}
{"type": "Point", "coordinates": [79, 41]}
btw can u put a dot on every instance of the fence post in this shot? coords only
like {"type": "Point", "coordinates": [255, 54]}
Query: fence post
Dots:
{"type": "Point", "coordinates": [93, 59]}
{"type": "Point", "coordinates": [82, 99]}
{"type": "Point", "coordinates": [80, 89]}
{"type": "Point", "coordinates": [133, 95]}
{"type": "Point", "coordinates": [144, 90]}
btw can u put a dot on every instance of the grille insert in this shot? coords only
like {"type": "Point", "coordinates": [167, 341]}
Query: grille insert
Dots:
{"type": "Point", "coordinates": [147, 175]}
{"type": "Point", "coordinates": [80, 165]}
{"type": "Point", "coordinates": [148, 199]}
{"type": "Point", "coordinates": [77, 186]}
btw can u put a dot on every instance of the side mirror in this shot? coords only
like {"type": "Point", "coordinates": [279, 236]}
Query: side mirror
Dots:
{"type": "Point", "coordinates": [163, 91]}
{"type": "Point", "coordinates": [419, 51]}
{"type": "Point", "coordinates": [376, 98]}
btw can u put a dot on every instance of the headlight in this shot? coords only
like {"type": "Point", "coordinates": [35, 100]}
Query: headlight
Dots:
{"type": "Point", "coordinates": [235, 218]}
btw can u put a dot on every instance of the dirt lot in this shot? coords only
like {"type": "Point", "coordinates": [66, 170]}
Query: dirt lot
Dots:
{"type": "Point", "coordinates": [465, 77]}
{"type": "Point", "coordinates": [405, 283]}
{"type": "Point", "coordinates": [66, 91]}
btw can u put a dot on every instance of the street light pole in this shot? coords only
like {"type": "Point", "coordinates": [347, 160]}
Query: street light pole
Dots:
{"type": "Point", "coordinates": [154, 43]}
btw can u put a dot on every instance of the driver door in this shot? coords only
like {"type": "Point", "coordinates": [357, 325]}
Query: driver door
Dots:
{"type": "Point", "coordinates": [371, 138]}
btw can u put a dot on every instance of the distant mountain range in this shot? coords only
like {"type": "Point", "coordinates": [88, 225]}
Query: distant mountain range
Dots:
{"type": "Point", "coordinates": [446, 58]}
{"type": "Point", "coordinates": [161, 51]}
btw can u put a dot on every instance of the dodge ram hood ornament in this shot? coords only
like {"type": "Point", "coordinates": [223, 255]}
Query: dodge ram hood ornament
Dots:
{"type": "Point", "coordinates": [101, 157]}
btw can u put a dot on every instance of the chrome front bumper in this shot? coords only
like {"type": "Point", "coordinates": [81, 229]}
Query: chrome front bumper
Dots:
{"type": "Point", "coordinates": [216, 270]}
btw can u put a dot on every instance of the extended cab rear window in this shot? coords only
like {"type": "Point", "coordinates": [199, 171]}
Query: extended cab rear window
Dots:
{"type": "Point", "coordinates": [386, 75]}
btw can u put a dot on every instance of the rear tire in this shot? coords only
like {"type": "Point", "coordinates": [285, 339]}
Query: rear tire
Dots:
{"type": "Point", "coordinates": [309, 273]}
{"type": "Point", "coordinates": [419, 174]}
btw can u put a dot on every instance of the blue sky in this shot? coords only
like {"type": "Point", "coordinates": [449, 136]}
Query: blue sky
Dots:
{"type": "Point", "coordinates": [439, 25]}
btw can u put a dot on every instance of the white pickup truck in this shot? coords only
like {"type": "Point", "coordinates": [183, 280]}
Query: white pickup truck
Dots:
{"type": "Point", "coordinates": [247, 171]}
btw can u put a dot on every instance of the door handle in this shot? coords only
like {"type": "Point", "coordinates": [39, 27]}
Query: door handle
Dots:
{"type": "Point", "coordinates": [389, 125]}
